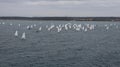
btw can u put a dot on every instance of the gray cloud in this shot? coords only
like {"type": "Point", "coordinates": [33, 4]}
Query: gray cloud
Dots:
{"type": "Point", "coordinates": [59, 7]}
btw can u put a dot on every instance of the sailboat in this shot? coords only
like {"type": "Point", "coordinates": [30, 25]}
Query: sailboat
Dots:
{"type": "Point", "coordinates": [19, 25]}
{"type": "Point", "coordinates": [40, 28]}
{"type": "Point", "coordinates": [3, 23]}
{"type": "Point", "coordinates": [28, 27]}
{"type": "Point", "coordinates": [11, 24]}
{"type": "Point", "coordinates": [23, 36]}
{"type": "Point", "coordinates": [16, 33]}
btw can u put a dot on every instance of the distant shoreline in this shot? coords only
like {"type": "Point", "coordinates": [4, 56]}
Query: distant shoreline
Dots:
{"type": "Point", "coordinates": [64, 18]}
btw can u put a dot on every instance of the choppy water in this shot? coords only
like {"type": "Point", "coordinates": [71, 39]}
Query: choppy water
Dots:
{"type": "Point", "coordinates": [70, 47]}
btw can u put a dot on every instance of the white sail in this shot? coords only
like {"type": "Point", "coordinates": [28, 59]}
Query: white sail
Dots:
{"type": "Point", "coordinates": [107, 28]}
{"type": "Point", "coordinates": [19, 25]}
{"type": "Point", "coordinates": [85, 29]}
{"type": "Point", "coordinates": [28, 27]}
{"type": "Point", "coordinates": [23, 36]}
{"type": "Point", "coordinates": [16, 33]}
{"type": "Point", "coordinates": [40, 28]}
{"type": "Point", "coordinates": [31, 26]}
{"type": "Point", "coordinates": [34, 25]}
{"type": "Point", "coordinates": [3, 23]}
{"type": "Point", "coordinates": [11, 24]}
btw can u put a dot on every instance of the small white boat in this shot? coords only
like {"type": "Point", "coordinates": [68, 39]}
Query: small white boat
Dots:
{"type": "Point", "coordinates": [40, 28]}
{"type": "Point", "coordinates": [3, 23]}
{"type": "Point", "coordinates": [11, 24]}
{"type": "Point", "coordinates": [19, 25]}
{"type": "Point", "coordinates": [28, 27]}
{"type": "Point", "coordinates": [34, 25]}
{"type": "Point", "coordinates": [16, 33]}
{"type": "Point", "coordinates": [31, 26]}
{"type": "Point", "coordinates": [107, 28]}
{"type": "Point", "coordinates": [23, 36]}
{"type": "Point", "coordinates": [85, 29]}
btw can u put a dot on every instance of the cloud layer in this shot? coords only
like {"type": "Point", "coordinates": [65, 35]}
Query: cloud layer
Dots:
{"type": "Point", "coordinates": [59, 7]}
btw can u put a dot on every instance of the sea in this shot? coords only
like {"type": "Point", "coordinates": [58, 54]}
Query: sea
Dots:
{"type": "Point", "coordinates": [27, 43]}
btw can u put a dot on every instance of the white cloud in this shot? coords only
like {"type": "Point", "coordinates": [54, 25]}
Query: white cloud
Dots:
{"type": "Point", "coordinates": [87, 3]}
{"type": "Point", "coordinates": [60, 7]}
{"type": "Point", "coordinates": [54, 3]}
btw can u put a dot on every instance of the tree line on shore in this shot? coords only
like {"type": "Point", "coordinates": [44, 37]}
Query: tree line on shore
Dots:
{"type": "Point", "coordinates": [64, 18]}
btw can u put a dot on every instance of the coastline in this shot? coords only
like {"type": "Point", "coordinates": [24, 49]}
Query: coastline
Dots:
{"type": "Point", "coordinates": [63, 18]}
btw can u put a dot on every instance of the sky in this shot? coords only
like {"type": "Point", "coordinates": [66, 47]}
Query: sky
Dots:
{"type": "Point", "coordinates": [72, 8]}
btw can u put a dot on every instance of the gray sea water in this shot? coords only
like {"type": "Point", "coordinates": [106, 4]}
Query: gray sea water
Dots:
{"type": "Point", "coordinates": [99, 47]}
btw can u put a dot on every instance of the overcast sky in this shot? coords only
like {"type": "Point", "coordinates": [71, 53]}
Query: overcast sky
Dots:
{"type": "Point", "coordinates": [60, 8]}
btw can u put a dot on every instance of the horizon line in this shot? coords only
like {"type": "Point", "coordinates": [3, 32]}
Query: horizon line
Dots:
{"type": "Point", "coordinates": [59, 16]}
